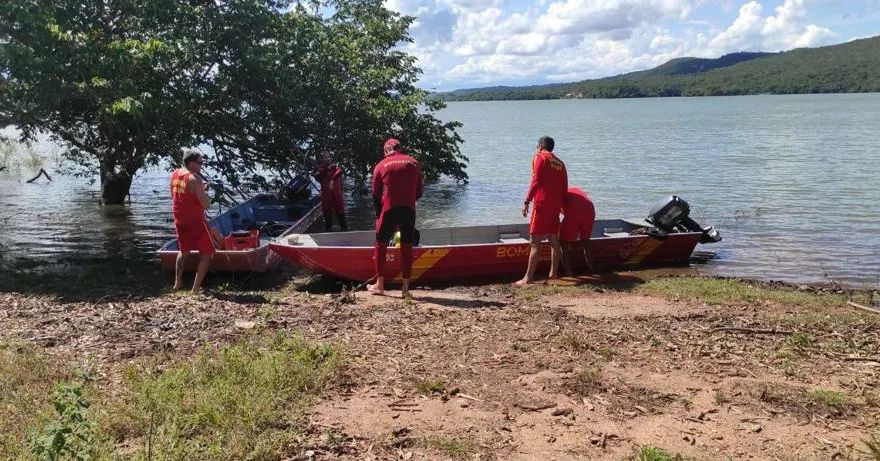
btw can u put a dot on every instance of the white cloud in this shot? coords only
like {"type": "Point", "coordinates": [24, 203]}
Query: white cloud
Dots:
{"type": "Point", "coordinates": [475, 42]}
{"type": "Point", "coordinates": [786, 29]}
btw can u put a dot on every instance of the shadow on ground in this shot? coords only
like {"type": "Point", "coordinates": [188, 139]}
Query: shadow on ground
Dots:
{"type": "Point", "coordinates": [99, 280]}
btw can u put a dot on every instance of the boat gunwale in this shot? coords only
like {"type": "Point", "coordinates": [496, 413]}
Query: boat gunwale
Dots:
{"type": "Point", "coordinates": [487, 244]}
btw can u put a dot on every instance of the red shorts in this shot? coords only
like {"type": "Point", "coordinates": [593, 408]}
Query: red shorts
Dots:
{"type": "Point", "coordinates": [576, 227]}
{"type": "Point", "coordinates": [544, 221]}
{"type": "Point", "coordinates": [194, 236]}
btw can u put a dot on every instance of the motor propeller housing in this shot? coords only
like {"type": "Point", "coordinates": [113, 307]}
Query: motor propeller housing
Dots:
{"type": "Point", "coordinates": [672, 214]}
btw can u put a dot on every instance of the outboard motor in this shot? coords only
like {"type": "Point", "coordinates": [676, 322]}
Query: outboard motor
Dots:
{"type": "Point", "coordinates": [672, 215]}
{"type": "Point", "coordinates": [297, 188]}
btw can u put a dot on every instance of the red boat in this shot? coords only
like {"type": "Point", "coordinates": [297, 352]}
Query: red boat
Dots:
{"type": "Point", "coordinates": [666, 238]}
{"type": "Point", "coordinates": [249, 228]}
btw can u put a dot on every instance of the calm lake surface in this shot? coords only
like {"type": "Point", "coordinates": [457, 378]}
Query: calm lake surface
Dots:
{"type": "Point", "coordinates": [791, 182]}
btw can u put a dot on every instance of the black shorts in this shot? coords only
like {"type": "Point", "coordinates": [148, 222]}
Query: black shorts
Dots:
{"type": "Point", "coordinates": [398, 218]}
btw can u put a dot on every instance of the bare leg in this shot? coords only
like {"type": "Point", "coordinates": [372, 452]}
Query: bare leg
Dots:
{"type": "Point", "coordinates": [217, 237]}
{"type": "Point", "coordinates": [534, 252]}
{"type": "Point", "coordinates": [404, 290]}
{"type": "Point", "coordinates": [201, 271]}
{"type": "Point", "coordinates": [379, 251]}
{"type": "Point", "coordinates": [565, 253]}
{"type": "Point", "coordinates": [377, 288]}
{"type": "Point", "coordinates": [555, 256]}
{"type": "Point", "coordinates": [178, 269]}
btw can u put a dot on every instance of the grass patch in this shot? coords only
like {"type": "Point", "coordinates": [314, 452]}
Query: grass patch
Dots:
{"type": "Point", "coordinates": [588, 381]}
{"type": "Point", "coordinates": [430, 386]}
{"type": "Point", "coordinates": [27, 381]}
{"type": "Point", "coordinates": [721, 398]}
{"type": "Point", "coordinates": [575, 342]}
{"type": "Point", "coordinates": [872, 447]}
{"type": "Point", "coordinates": [804, 401]}
{"type": "Point", "coordinates": [649, 453]}
{"type": "Point", "coordinates": [728, 291]}
{"type": "Point", "coordinates": [828, 398]}
{"type": "Point", "coordinates": [800, 341]}
{"type": "Point", "coordinates": [244, 401]}
{"type": "Point", "coordinates": [453, 447]}
{"type": "Point", "coordinates": [538, 291]}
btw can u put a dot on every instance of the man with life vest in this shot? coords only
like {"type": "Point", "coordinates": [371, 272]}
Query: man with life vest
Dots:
{"type": "Point", "coordinates": [332, 202]}
{"type": "Point", "coordinates": [577, 224]}
{"type": "Point", "coordinates": [397, 184]}
{"type": "Point", "coordinates": [189, 200]}
{"type": "Point", "coordinates": [547, 189]}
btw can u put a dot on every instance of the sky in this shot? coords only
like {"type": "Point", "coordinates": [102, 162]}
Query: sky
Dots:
{"type": "Point", "coordinates": [474, 43]}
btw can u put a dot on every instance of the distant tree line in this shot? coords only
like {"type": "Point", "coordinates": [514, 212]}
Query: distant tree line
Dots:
{"type": "Point", "coordinates": [852, 67]}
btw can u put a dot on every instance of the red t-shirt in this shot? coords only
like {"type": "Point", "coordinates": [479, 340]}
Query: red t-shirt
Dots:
{"type": "Point", "coordinates": [397, 181]}
{"type": "Point", "coordinates": [549, 181]}
{"type": "Point", "coordinates": [185, 205]}
{"type": "Point", "coordinates": [576, 202]}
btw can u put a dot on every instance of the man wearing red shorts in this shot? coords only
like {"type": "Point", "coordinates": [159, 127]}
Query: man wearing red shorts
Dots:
{"type": "Point", "coordinates": [577, 224]}
{"type": "Point", "coordinates": [397, 184]}
{"type": "Point", "coordinates": [547, 189]}
{"type": "Point", "coordinates": [188, 203]}
{"type": "Point", "coordinates": [332, 202]}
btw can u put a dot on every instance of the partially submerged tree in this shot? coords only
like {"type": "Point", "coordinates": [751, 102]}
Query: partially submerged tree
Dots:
{"type": "Point", "coordinates": [123, 84]}
{"type": "Point", "coordinates": [115, 82]}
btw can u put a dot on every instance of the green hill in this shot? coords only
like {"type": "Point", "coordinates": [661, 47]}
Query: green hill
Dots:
{"type": "Point", "coordinates": [852, 67]}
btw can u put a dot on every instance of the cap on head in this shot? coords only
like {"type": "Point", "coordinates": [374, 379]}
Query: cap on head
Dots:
{"type": "Point", "coordinates": [390, 144]}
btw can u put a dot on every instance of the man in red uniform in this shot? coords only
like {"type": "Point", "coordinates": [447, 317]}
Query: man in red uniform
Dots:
{"type": "Point", "coordinates": [397, 184]}
{"type": "Point", "coordinates": [332, 202]}
{"type": "Point", "coordinates": [188, 203]}
{"type": "Point", "coordinates": [577, 224]}
{"type": "Point", "coordinates": [547, 189]}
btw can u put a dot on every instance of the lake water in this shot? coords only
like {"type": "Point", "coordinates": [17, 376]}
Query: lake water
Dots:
{"type": "Point", "coordinates": [791, 182]}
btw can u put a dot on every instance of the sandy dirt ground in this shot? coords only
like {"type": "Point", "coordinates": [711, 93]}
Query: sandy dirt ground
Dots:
{"type": "Point", "coordinates": [497, 373]}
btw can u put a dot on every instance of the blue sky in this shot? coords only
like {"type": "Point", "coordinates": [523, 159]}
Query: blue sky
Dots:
{"type": "Point", "coordinates": [472, 43]}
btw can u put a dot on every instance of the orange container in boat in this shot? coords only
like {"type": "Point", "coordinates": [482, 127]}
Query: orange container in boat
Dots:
{"type": "Point", "coordinates": [242, 240]}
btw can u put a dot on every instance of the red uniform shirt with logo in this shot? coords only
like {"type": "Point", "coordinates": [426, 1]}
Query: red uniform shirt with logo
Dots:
{"type": "Point", "coordinates": [397, 181]}
{"type": "Point", "coordinates": [577, 224]}
{"type": "Point", "coordinates": [189, 216]}
{"type": "Point", "coordinates": [547, 190]}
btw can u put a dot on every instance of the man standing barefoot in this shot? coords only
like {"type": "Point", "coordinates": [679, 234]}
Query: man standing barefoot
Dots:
{"type": "Point", "coordinates": [547, 189]}
{"type": "Point", "coordinates": [188, 204]}
{"type": "Point", "coordinates": [397, 184]}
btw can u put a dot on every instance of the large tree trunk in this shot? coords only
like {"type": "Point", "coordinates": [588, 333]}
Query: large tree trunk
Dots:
{"type": "Point", "coordinates": [114, 187]}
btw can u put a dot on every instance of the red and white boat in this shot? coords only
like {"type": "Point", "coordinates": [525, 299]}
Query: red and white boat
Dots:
{"type": "Point", "coordinates": [260, 220]}
{"type": "Point", "coordinates": [456, 253]}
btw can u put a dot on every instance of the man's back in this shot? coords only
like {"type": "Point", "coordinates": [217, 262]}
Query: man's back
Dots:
{"type": "Point", "coordinates": [549, 181]}
{"type": "Point", "coordinates": [185, 205]}
{"type": "Point", "coordinates": [397, 181]}
{"type": "Point", "coordinates": [576, 201]}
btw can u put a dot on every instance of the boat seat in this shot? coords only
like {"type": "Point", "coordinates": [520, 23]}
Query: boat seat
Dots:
{"type": "Point", "coordinates": [513, 237]}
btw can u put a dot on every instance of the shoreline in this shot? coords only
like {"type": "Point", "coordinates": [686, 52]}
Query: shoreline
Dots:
{"type": "Point", "coordinates": [598, 368]}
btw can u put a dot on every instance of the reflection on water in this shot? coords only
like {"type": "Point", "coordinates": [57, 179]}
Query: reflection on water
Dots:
{"type": "Point", "coordinates": [790, 181]}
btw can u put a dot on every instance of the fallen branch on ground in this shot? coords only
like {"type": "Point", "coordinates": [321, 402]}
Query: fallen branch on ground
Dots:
{"type": "Point", "coordinates": [752, 330]}
{"type": "Point", "coordinates": [864, 308]}
{"type": "Point", "coordinates": [862, 359]}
